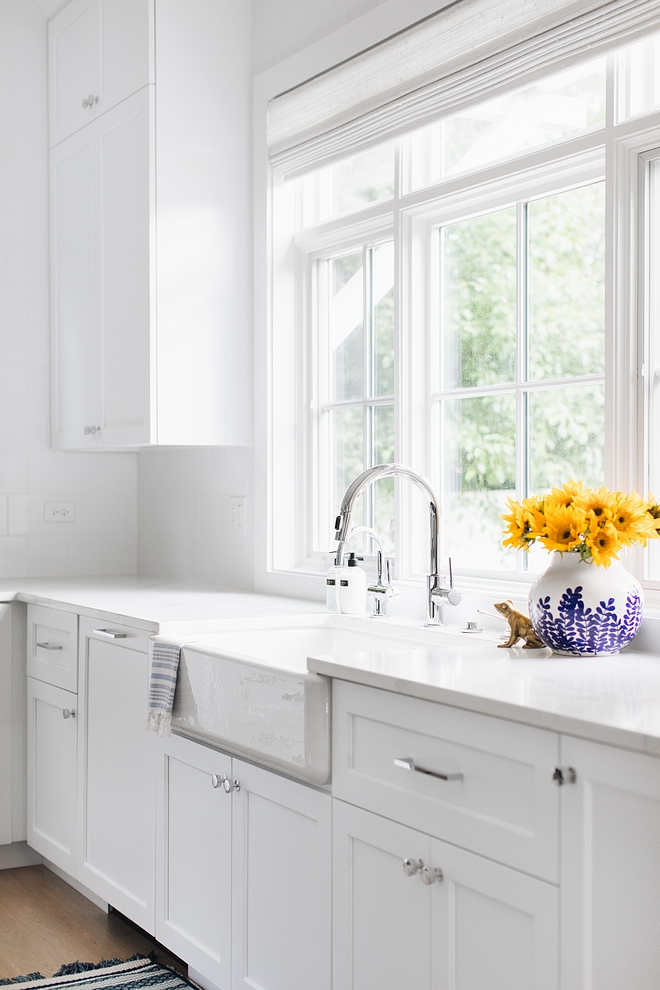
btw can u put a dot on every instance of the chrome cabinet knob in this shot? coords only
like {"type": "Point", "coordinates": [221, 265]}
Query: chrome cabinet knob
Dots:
{"type": "Point", "coordinates": [564, 775]}
{"type": "Point", "coordinates": [90, 101]}
{"type": "Point", "coordinates": [430, 875]}
{"type": "Point", "coordinates": [93, 430]}
{"type": "Point", "coordinates": [222, 780]}
{"type": "Point", "coordinates": [412, 866]}
{"type": "Point", "coordinates": [68, 713]}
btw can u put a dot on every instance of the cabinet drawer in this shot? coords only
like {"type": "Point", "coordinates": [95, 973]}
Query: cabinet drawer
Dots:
{"type": "Point", "coordinates": [52, 646]}
{"type": "Point", "coordinates": [115, 632]}
{"type": "Point", "coordinates": [488, 783]}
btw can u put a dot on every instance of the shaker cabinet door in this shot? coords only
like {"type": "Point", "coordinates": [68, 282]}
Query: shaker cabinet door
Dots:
{"type": "Point", "coordinates": [610, 882]}
{"type": "Point", "coordinates": [382, 930]}
{"type": "Point", "coordinates": [101, 284]}
{"type": "Point", "coordinates": [193, 843]}
{"type": "Point", "coordinates": [52, 736]}
{"type": "Point", "coordinates": [116, 773]}
{"type": "Point", "coordinates": [99, 53]}
{"type": "Point", "coordinates": [282, 883]}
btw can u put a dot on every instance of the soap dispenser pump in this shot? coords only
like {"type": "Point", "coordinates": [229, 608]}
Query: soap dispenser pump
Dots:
{"type": "Point", "coordinates": [352, 588]}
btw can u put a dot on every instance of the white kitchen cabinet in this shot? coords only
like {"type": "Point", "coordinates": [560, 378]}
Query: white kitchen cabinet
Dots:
{"type": "Point", "coordinates": [476, 924]}
{"type": "Point", "coordinates": [100, 266]}
{"type": "Point", "coordinates": [243, 877]}
{"type": "Point", "coordinates": [52, 754]}
{"type": "Point", "coordinates": [13, 729]}
{"type": "Point", "coordinates": [52, 646]}
{"type": "Point", "coordinates": [193, 875]}
{"type": "Point", "coordinates": [116, 770]}
{"type": "Point", "coordinates": [98, 54]}
{"type": "Point", "coordinates": [150, 243]}
{"type": "Point", "coordinates": [482, 783]}
{"type": "Point", "coordinates": [282, 877]}
{"type": "Point", "coordinates": [610, 876]}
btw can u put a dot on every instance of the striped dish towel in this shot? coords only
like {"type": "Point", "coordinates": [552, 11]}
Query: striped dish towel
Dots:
{"type": "Point", "coordinates": [162, 685]}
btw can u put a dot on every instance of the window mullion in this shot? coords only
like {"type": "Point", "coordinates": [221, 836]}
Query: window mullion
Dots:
{"type": "Point", "coordinates": [522, 361]}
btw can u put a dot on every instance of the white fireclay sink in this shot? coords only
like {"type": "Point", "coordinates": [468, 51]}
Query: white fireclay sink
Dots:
{"type": "Point", "coordinates": [245, 686]}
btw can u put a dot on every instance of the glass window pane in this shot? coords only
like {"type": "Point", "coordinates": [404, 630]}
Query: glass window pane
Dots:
{"type": "Point", "coordinates": [383, 319]}
{"type": "Point", "coordinates": [639, 77]}
{"type": "Point", "coordinates": [479, 301]}
{"type": "Point", "coordinates": [566, 437]}
{"type": "Point", "coordinates": [479, 473]}
{"type": "Point", "coordinates": [384, 490]}
{"type": "Point", "coordinates": [347, 451]}
{"type": "Point", "coordinates": [553, 109]}
{"type": "Point", "coordinates": [567, 284]}
{"type": "Point", "coordinates": [350, 185]}
{"type": "Point", "coordinates": [346, 327]}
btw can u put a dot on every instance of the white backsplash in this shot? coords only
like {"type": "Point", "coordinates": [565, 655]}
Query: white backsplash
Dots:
{"type": "Point", "coordinates": [103, 538]}
{"type": "Point", "coordinates": [185, 531]}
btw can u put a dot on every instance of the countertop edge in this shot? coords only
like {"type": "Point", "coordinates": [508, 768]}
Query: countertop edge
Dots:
{"type": "Point", "coordinates": [637, 742]}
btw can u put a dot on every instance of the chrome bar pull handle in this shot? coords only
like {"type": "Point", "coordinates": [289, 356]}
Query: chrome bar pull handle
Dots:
{"type": "Point", "coordinates": [564, 775]}
{"type": "Point", "coordinates": [109, 634]}
{"type": "Point", "coordinates": [406, 763]}
{"type": "Point", "coordinates": [431, 875]}
{"type": "Point", "coordinates": [412, 866]}
{"type": "Point", "coordinates": [48, 646]}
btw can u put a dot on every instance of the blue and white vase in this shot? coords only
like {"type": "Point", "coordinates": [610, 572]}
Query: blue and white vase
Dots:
{"type": "Point", "coordinates": [582, 610]}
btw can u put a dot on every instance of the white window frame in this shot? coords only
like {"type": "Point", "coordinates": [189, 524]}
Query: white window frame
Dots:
{"type": "Point", "coordinates": [286, 474]}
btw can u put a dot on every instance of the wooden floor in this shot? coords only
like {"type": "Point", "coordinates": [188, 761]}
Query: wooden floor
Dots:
{"type": "Point", "coordinates": [44, 923]}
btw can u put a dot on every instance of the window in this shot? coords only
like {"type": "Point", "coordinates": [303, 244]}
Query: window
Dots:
{"type": "Point", "coordinates": [467, 309]}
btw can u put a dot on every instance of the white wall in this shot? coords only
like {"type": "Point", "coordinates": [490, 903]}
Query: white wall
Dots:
{"type": "Point", "coordinates": [103, 538]}
{"type": "Point", "coordinates": [184, 511]}
{"type": "Point", "coordinates": [282, 27]}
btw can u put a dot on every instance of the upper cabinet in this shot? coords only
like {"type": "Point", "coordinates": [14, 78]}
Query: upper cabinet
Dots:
{"type": "Point", "coordinates": [99, 53]}
{"type": "Point", "coordinates": [151, 285]}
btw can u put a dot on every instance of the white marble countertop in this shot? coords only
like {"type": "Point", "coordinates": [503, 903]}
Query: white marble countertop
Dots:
{"type": "Point", "coordinates": [158, 606]}
{"type": "Point", "coordinates": [613, 700]}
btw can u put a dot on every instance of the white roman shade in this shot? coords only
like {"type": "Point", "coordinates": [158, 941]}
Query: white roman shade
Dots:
{"type": "Point", "coordinates": [470, 51]}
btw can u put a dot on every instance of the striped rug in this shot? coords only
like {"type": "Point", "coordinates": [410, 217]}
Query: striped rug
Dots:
{"type": "Point", "coordinates": [109, 974]}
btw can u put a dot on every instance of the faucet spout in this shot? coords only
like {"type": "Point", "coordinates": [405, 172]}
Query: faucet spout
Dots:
{"type": "Point", "coordinates": [436, 598]}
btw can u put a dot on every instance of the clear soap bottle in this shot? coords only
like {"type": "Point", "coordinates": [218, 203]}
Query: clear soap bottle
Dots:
{"type": "Point", "coordinates": [332, 588]}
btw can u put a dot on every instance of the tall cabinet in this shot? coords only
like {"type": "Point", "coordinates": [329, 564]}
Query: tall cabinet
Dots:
{"type": "Point", "coordinates": [150, 221]}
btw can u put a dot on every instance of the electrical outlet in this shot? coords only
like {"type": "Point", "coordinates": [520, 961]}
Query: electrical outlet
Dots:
{"type": "Point", "coordinates": [237, 515]}
{"type": "Point", "coordinates": [60, 512]}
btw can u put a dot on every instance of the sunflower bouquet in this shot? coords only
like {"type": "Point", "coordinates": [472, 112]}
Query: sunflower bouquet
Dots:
{"type": "Point", "coordinates": [595, 523]}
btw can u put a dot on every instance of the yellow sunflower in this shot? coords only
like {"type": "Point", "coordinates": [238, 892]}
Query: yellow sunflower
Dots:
{"type": "Point", "coordinates": [631, 519]}
{"type": "Point", "coordinates": [598, 505]}
{"type": "Point", "coordinates": [653, 510]}
{"type": "Point", "coordinates": [604, 544]}
{"type": "Point", "coordinates": [517, 526]}
{"type": "Point", "coordinates": [525, 523]}
{"type": "Point", "coordinates": [566, 495]}
{"type": "Point", "coordinates": [565, 527]}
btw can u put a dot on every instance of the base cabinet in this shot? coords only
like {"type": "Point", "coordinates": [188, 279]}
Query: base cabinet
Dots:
{"type": "Point", "coordinates": [610, 883]}
{"type": "Point", "coordinates": [281, 878]}
{"type": "Point", "coordinates": [193, 878]}
{"type": "Point", "coordinates": [116, 771]}
{"type": "Point", "coordinates": [411, 911]}
{"type": "Point", "coordinates": [52, 746]}
{"type": "Point", "coordinates": [244, 877]}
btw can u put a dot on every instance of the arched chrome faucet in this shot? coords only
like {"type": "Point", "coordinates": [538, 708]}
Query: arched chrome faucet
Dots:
{"type": "Point", "coordinates": [437, 593]}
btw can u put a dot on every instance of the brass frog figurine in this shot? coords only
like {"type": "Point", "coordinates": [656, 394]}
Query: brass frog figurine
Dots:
{"type": "Point", "coordinates": [520, 626]}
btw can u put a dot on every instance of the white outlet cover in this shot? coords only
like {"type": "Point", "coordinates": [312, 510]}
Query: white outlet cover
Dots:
{"type": "Point", "coordinates": [237, 515]}
{"type": "Point", "coordinates": [59, 512]}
